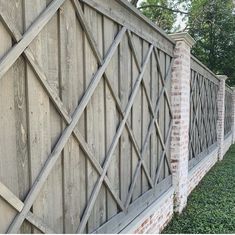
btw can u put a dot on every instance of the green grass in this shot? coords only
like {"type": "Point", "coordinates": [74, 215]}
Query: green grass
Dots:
{"type": "Point", "coordinates": [211, 206]}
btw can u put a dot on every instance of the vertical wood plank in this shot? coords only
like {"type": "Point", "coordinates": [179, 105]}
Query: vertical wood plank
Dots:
{"type": "Point", "coordinates": [136, 117]}
{"type": "Point", "coordinates": [55, 179]}
{"type": "Point", "coordinates": [154, 96]}
{"type": "Point", "coordinates": [162, 108]}
{"type": "Point", "coordinates": [43, 124]}
{"type": "Point", "coordinates": [90, 66]}
{"type": "Point", "coordinates": [16, 15]}
{"type": "Point", "coordinates": [95, 114]}
{"type": "Point", "coordinates": [112, 115]}
{"type": "Point", "coordinates": [14, 98]}
{"type": "Point", "coordinates": [8, 163]}
{"type": "Point", "coordinates": [71, 61]}
{"type": "Point", "coordinates": [145, 118]}
{"type": "Point", "coordinates": [167, 112]}
{"type": "Point", "coordinates": [68, 69]}
{"type": "Point", "coordinates": [125, 91]}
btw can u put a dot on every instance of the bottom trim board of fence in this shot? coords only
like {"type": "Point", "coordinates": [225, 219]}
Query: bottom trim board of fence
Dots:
{"type": "Point", "coordinates": [122, 220]}
{"type": "Point", "coordinates": [147, 213]}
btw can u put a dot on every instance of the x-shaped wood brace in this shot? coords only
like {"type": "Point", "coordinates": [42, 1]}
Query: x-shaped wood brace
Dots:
{"type": "Point", "coordinates": [6, 63]}
{"type": "Point", "coordinates": [200, 98]}
{"type": "Point", "coordinates": [89, 34]}
{"type": "Point", "coordinates": [58, 104]}
{"type": "Point", "coordinates": [86, 29]}
{"type": "Point", "coordinates": [17, 204]}
{"type": "Point", "coordinates": [211, 120]}
{"type": "Point", "coordinates": [21, 47]}
{"type": "Point", "coordinates": [106, 164]}
{"type": "Point", "coordinates": [195, 111]}
{"type": "Point", "coordinates": [153, 121]}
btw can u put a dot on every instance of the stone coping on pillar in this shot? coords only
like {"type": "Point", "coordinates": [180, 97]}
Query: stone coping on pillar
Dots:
{"type": "Point", "coordinates": [222, 77]}
{"type": "Point", "coordinates": [183, 36]}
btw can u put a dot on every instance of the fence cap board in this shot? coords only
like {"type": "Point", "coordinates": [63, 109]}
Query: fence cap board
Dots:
{"type": "Point", "coordinates": [229, 89]}
{"type": "Point", "coordinates": [198, 66]}
{"type": "Point", "coordinates": [183, 36]}
{"type": "Point", "coordinates": [222, 77]}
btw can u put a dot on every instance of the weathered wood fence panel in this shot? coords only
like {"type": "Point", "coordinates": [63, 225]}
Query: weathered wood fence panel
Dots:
{"type": "Point", "coordinates": [203, 112]}
{"type": "Point", "coordinates": [85, 116]}
{"type": "Point", "coordinates": [228, 112]}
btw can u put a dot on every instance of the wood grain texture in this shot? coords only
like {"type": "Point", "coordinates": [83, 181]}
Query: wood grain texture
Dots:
{"type": "Point", "coordinates": [85, 99]}
{"type": "Point", "coordinates": [203, 124]}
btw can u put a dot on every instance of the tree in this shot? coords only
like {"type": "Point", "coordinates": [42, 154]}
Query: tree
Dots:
{"type": "Point", "coordinates": [134, 2]}
{"type": "Point", "coordinates": [162, 12]}
{"type": "Point", "coordinates": [212, 25]}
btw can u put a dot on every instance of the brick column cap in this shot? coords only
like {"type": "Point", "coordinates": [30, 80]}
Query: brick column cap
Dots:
{"type": "Point", "coordinates": [222, 77]}
{"type": "Point", "coordinates": [183, 36]}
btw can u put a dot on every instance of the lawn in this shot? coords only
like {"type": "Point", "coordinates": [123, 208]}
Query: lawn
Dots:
{"type": "Point", "coordinates": [211, 206]}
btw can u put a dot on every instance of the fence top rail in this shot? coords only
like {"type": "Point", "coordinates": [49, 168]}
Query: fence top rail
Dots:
{"type": "Point", "coordinates": [228, 89]}
{"type": "Point", "coordinates": [199, 67]}
{"type": "Point", "coordinates": [123, 13]}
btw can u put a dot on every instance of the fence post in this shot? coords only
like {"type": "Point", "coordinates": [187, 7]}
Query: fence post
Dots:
{"type": "Point", "coordinates": [233, 117]}
{"type": "Point", "coordinates": [220, 123]}
{"type": "Point", "coordinates": [180, 101]}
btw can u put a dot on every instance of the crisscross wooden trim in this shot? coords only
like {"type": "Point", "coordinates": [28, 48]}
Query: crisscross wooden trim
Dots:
{"type": "Point", "coordinates": [202, 91]}
{"type": "Point", "coordinates": [58, 104]}
{"type": "Point", "coordinates": [17, 204]}
{"type": "Point", "coordinates": [151, 128]}
{"type": "Point", "coordinates": [113, 145]}
{"type": "Point", "coordinates": [21, 47]}
{"type": "Point", "coordinates": [52, 159]}
{"type": "Point", "coordinates": [9, 59]}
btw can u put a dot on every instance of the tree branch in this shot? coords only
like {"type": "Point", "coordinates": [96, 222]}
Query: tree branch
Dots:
{"type": "Point", "coordinates": [165, 8]}
{"type": "Point", "coordinates": [134, 2]}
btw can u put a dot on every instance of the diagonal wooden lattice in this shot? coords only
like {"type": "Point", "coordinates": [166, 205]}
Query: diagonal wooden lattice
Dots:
{"type": "Point", "coordinates": [203, 115]}
{"type": "Point", "coordinates": [228, 111]}
{"type": "Point", "coordinates": [21, 48]}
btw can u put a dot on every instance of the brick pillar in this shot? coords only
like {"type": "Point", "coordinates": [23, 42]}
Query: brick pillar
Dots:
{"type": "Point", "coordinates": [233, 117]}
{"type": "Point", "coordinates": [220, 122]}
{"type": "Point", "coordinates": [180, 100]}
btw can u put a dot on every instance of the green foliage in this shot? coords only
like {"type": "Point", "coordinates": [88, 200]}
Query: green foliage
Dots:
{"type": "Point", "coordinates": [210, 22]}
{"type": "Point", "coordinates": [163, 17]}
{"type": "Point", "coordinates": [211, 206]}
{"type": "Point", "coordinates": [212, 25]}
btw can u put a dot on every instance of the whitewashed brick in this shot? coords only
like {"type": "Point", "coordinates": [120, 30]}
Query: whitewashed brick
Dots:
{"type": "Point", "coordinates": [220, 122]}
{"type": "Point", "coordinates": [180, 101]}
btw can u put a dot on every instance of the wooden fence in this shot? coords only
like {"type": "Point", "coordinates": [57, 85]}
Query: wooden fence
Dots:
{"type": "Point", "coordinates": [228, 111]}
{"type": "Point", "coordinates": [85, 115]}
{"type": "Point", "coordinates": [203, 112]}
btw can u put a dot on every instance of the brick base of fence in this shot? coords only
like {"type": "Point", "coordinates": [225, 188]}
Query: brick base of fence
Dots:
{"type": "Point", "coordinates": [227, 143]}
{"type": "Point", "coordinates": [200, 170]}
